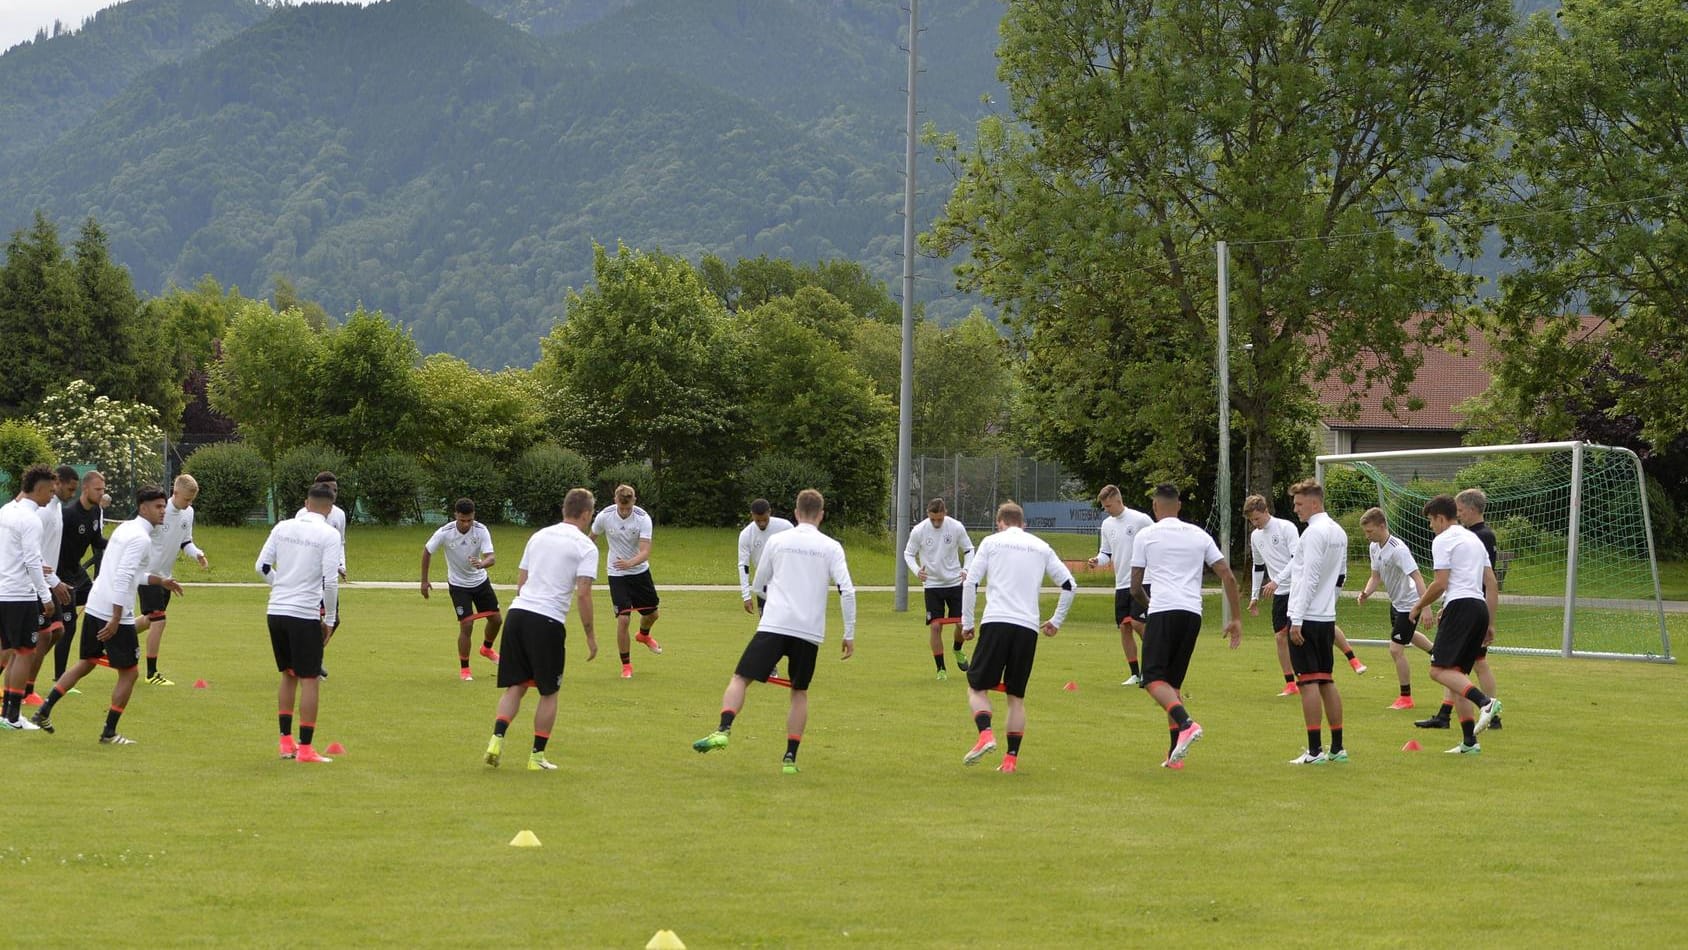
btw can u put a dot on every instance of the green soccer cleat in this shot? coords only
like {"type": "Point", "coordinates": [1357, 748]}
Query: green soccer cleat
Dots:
{"type": "Point", "coordinates": [1463, 749]}
{"type": "Point", "coordinates": [157, 679]}
{"type": "Point", "coordinates": [1338, 756]}
{"type": "Point", "coordinates": [961, 662]}
{"type": "Point", "coordinates": [788, 767]}
{"type": "Point", "coordinates": [494, 751]}
{"type": "Point", "coordinates": [711, 742]}
{"type": "Point", "coordinates": [538, 763]}
{"type": "Point", "coordinates": [943, 675]}
{"type": "Point", "coordinates": [1486, 716]}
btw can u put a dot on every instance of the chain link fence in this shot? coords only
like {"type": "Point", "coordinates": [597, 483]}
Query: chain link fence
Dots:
{"type": "Point", "coordinates": [972, 487]}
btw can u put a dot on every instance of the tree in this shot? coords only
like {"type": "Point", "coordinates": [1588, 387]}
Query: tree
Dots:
{"type": "Point", "coordinates": [125, 356]}
{"type": "Point", "coordinates": [192, 324]}
{"type": "Point", "coordinates": [492, 415]}
{"type": "Point", "coordinates": [41, 313]}
{"type": "Point", "coordinates": [1329, 143]}
{"type": "Point", "coordinates": [121, 439]}
{"type": "Point", "coordinates": [651, 370]}
{"type": "Point", "coordinates": [366, 390]}
{"type": "Point", "coordinates": [811, 404]}
{"type": "Point", "coordinates": [1601, 120]}
{"type": "Point", "coordinates": [267, 377]}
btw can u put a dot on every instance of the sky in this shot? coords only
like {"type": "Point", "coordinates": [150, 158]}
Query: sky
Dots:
{"type": "Point", "coordinates": [19, 19]}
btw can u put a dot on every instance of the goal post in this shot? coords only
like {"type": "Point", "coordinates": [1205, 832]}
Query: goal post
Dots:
{"type": "Point", "coordinates": [1574, 542]}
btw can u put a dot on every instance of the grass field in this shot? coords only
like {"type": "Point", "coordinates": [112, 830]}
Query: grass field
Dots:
{"type": "Point", "coordinates": [1566, 831]}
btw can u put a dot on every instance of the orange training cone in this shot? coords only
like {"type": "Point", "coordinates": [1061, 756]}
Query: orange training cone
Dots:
{"type": "Point", "coordinates": [335, 748]}
{"type": "Point", "coordinates": [201, 684]}
{"type": "Point", "coordinates": [1411, 746]}
{"type": "Point", "coordinates": [1071, 687]}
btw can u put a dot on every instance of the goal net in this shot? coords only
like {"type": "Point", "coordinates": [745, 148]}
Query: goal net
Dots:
{"type": "Point", "coordinates": [1574, 547]}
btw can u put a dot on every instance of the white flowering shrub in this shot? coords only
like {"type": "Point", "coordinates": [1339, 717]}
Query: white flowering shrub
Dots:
{"type": "Point", "coordinates": [121, 439]}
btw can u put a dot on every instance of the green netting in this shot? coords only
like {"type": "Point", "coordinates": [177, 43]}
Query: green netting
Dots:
{"type": "Point", "coordinates": [1616, 608]}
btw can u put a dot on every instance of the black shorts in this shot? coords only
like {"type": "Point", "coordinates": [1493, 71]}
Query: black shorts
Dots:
{"type": "Point", "coordinates": [1280, 613]}
{"type": "Point", "coordinates": [155, 600]}
{"type": "Point", "coordinates": [1169, 640]}
{"type": "Point", "coordinates": [20, 625]}
{"type": "Point", "coordinates": [1126, 605]}
{"type": "Point", "coordinates": [762, 654]}
{"type": "Point", "coordinates": [297, 644]}
{"type": "Point", "coordinates": [632, 593]}
{"type": "Point", "coordinates": [1004, 655]}
{"type": "Point", "coordinates": [942, 602]}
{"type": "Point", "coordinates": [122, 651]}
{"type": "Point", "coordinates": [82, 591]}
{"type": "Point", "coordinates": [533, 652]}
{"type": "Point", "coordinates": [473, 600]}
{"type": "Point", "coordinates": [1459, 634]}
{"type": "Point", "coordinates": [1311, 659]}
{"type": "Point", "coordinates": [1402, 626]}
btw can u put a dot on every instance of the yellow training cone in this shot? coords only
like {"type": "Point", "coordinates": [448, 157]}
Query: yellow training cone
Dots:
{"type": "Point", "coordinates": [665, 940]}
{"type": "Point", "coordinates": [524, 839]}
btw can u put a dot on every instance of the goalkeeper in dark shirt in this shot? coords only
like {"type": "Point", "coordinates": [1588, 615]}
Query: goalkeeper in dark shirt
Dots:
{"type": "Point", "coordinates": [84, 531]}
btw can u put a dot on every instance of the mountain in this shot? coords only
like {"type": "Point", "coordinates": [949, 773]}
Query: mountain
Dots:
{"type": "Point", "coordinates": [50, 86]}
{"type": "Point", "coordinates": [421, 157]}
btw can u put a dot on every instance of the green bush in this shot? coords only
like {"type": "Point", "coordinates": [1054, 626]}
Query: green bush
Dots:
{"type": "Point", "coordinates": [1668, 527]}
{"type": "Point", "coordinates": [21, 445]}
{"type": "Point", "coordinates": [779, 478]}
{"type": "Point", "coordinates": [628, 473]}
{"type": "Point", "coordinates": [233, 481]}
{"type": "Point", "coordinates": [541, 477]}
{"type": "Point", "coordinates": [460, 474]}
{"type": "Point", "coordinates": [388, 484]}
{"type": "Point", "coordinates": [297, 470]}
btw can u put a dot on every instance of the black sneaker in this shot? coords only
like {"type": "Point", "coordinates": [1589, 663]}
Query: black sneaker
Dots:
{"type": "Point", "coordinates": [46, 724]}
{"type": "Point", "coordinates": [1434, 722]}
{"type": "Point", "coordinates": [1494, 723]}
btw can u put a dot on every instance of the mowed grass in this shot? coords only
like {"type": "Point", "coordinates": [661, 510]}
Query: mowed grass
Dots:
{"type": "Point", "coordinates": [1566, 831]}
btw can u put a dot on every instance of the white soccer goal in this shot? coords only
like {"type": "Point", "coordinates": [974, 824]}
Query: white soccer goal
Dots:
{"type": "Point", "coordinates": [1574, 540]}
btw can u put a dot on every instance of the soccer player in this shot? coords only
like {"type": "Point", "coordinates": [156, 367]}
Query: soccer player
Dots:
{"type": "Point", "coordinates": [58, 624]}
{"type": "Point", "coordinates": [1119, 531]}
{"type": "Point", "coordinates": [1014, 562]}
{"type": "Point", "coordinates": [1394, 570]}
{"type": "Point", "coordinates": [631, 587]}
{"type": "Point", "coordinates": [557, 570]}
{"type": "Point", "coordinates": [797, 569]}
{"type": "Point", "coordinates": [108, 622]}
{"type": "Point", "coordinates": [751, 540]}
{"type": "Point", "coordinates": [937, 553]}
{"type": "Point", "coordinates": [301, 561]}
{"type": "Point", "coordinates": [468, 553]}
{"type": "Point", "coordinates": [1168, 560]}
{"type": "Point", "coordinates": [26, 600]}
{"type": "Point", "coordinates": [173, 537]}
{"type": "Point", "coordinates": [84, 530]}
{"type": "Point", "coordinates": [336, 517]}
{"type": "Point", "coordinates": [1470, 504]}
{"type": "Point", "coordinates": [1464, 574]}
{"type": "Point", "coordinates": [1321, 559]}
{"type": "Point", "coordinates": [1272, 544]}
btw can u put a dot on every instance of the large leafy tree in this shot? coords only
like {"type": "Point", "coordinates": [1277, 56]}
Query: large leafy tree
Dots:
{"type": "Point", "coordinates": [267, 377]}
{"type": "Point", "coordinates": [649, 368]}
{"type": "Point", "coordinates": [1599, 223]}
{"type": "Point", "coordinates": [41, 315]}
{"type": "Point", "coordinates": [1331, 143]}
{"type": "Point", "coordinates": [366, 389]}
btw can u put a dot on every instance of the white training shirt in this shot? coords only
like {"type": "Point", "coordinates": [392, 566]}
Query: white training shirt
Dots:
{"type": "Point", "coordinates": [797, 568]}
{"type": "Point", "coordinates": [1392, 561]}
{"type": "Point", "coordinates": [21, 578]}
{"type": "Point", "coordinates": [942, 551]}
{"type": "Point", "coordinates": [52, 535]}
{"type": "Point", "coordinates": [1014, 563]}
{"type": "Point", "coordinates": [459, 547]}
{"type": "Point", "coordinates": [1172, 554]}
{"type": "Point", "coordinates": [1273, 547]}
{"type": "Point", "coordinates": [1460, 553]}
{"type": "Point", "coordinates": [750, 543]}
{"type": "Point", "coordinates": [1119, 535]}
{"type": "Point", "coordinates": [625, 535]}
{"type": "Point", "coordinates": [336, 518]}
{"type": "Point", "coordinates": [172, 538]}
{"type": "Point", "coordinates": [301, 561]}
{"type": "Point", "coordinates": [553, 559]}
{"type": "Point", "coordinates": [123, 570]}
{"type": "Point", "coordinates": [1322, 559]}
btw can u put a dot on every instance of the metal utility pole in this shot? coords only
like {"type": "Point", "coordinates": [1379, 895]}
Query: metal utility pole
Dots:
{"type": "Point", "coordinates": [1222, 497]}
{"type": "Point", "coordinates": [905, 401]}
